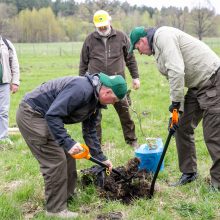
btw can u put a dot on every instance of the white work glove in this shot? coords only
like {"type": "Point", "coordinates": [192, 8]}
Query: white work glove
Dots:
{"type": "Point", "coordinates": [109, 164]}
{"type": "Point", "coordinates": [75, 149]}
{"type": "Point", "coordinates": [136, 83]}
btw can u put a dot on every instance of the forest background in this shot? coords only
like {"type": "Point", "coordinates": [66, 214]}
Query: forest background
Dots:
{"type": "Point", "coordinates": [37, 21]}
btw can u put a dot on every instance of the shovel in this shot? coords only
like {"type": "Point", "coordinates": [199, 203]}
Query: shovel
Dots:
{"type": "Point", "coordinates": [85, 154]}
{"type": "Point", "coordinates": [171, 132]}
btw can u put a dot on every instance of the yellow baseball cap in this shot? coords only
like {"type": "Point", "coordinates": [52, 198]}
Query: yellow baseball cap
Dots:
{"type": "Point", "coordinates": [101, 18]}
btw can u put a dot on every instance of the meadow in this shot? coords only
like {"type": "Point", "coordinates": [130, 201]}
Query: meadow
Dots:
{"type": "Point", "coordinates": [21, 184]}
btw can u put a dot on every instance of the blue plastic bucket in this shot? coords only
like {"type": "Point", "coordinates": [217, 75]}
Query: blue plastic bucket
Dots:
{"type": "Point", "coordinates": [149, 154]}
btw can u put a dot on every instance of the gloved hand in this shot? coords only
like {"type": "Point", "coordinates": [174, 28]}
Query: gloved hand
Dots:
{"type": "Point", "coordinates": [173, 128]}
{"type": "Point", "coordinates": [136, 83]}
{"type": "Point", "coordinates": [174, 105]}
{"type": "Point", "coordinates": [75, 149]}
{"type": "Point", "coordinates": [109, 164]}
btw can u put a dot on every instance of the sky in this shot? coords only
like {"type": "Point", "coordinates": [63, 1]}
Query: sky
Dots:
{"type": "Point", "coordinates": [177, 3]}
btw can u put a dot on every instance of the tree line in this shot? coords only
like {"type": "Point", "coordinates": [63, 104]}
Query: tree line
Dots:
{"type": "Point", "coordinates": [67, 20]}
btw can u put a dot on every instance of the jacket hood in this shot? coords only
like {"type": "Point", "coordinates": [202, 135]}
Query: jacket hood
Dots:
{"type": "Point", "coordinates": [150, 37]}
{"type": "Point", "coordinates": [94, 80]}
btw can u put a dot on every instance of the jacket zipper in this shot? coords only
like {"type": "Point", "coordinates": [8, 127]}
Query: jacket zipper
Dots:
{"type": "Point", "coordinates": [106, 57]}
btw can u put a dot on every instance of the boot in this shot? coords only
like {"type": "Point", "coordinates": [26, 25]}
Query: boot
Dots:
{"type": "Point", "coordinates": [185, 178]}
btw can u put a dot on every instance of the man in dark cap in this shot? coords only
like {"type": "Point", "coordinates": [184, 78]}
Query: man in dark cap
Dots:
{"type": "Point", "coordinates": [41, 117]}
{"type": "Point", "coordinates": [187, 62]}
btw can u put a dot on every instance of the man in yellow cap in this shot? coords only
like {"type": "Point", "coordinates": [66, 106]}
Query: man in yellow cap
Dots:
{"type": "Point", "coordinates": [106, 50]}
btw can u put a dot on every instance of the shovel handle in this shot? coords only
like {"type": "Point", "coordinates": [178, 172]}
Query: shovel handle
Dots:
{"type": "Point", "coordinates": [84, 154]}
{"type": "Point", "coordinates": [175, 119]}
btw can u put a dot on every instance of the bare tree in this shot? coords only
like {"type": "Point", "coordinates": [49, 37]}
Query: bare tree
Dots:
{"type": "Point", "coordinates": [202, 19]}
{"type": "Point", "coordinates": [89, 7]}
{"type": "Point", "coordinates": [7, 11]}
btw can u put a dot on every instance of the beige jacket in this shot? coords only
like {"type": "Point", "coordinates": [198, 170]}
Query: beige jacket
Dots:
{"type": "Point", "coordinates": [10, 65]}
{"type": "Point", "coordinates": [184, 60]}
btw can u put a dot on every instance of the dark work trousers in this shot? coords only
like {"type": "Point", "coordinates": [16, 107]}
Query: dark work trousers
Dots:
{"type": "Point", "coordinates": [203, 103]}
{"type": "Point", "coordinates": [128, 127]}
{"type": "Point", "coordinates": [57, 166]}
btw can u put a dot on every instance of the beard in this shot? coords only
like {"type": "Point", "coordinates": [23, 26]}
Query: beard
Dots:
{"type": "Point", "coordinates": [104, 33]}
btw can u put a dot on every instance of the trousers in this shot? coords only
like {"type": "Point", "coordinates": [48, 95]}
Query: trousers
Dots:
{"type": "Point", "coordinates": [127, 124]}
{"type": "Point", "coordinates": [4, 109]}
{"type": "Point", "coordinates": [58, 168]}
{"type": "Point", "coordinates": [202, 103]}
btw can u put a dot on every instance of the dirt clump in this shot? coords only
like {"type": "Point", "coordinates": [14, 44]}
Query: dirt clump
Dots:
{"type": "Point", "coordinates": [114, 187]}
{"type": "Point", "coordinates": [110, 216]}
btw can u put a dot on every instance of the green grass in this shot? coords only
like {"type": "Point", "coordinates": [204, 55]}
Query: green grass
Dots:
{"type": "Point", "coordinates": [21, 184]}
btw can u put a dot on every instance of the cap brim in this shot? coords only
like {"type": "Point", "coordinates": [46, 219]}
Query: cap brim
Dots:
{"type": "Point", "coordinates": [101, 24]}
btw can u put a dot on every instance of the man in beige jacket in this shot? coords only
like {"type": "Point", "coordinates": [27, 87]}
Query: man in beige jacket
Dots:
{"type": "Point", "coordinates": [187, 62]}
{"type": "Point", "coordinates": [9, 82]}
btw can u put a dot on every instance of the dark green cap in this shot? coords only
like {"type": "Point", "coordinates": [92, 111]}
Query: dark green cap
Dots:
{"type": "Point", "coordinates": [135, 35]}
{"type": "Point", "coordinates": [117, 83]}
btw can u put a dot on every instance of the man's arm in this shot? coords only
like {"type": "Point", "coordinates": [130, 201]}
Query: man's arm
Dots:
{"type": "Point", "coordinates": [172, 58]}
{"type": "Point", "coordinates": [130, 60]}
{"type": "Point", "coordinates": [90, 137]}
{"type": "Point", "coordinates": [84, 59]}
{"type": "Point", "coordinates": [66, 102]}
{"type": "Point", "coordinates": [14, 66]}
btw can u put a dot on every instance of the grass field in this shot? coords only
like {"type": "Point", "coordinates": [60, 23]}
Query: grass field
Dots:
{"type": "Point", "coordinates": [21, 184]}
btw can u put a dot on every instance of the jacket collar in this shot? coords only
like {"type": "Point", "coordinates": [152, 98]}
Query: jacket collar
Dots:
{"type": "Point", "coordinates": [150, 37]}
{"type": "Point", "coordinates": [94, 80]}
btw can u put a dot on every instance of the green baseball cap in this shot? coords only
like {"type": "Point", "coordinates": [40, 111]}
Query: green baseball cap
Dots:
{"type": "Point", "coordinates": [135, 35]}
{"type": "Point", "coordinates": [117, 83]}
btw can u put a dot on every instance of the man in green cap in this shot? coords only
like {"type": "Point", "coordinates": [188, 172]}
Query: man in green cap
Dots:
{"type": "Point", "coordinates": [187, 62]}
{"type": "Point", "coordinates": [41, 117]}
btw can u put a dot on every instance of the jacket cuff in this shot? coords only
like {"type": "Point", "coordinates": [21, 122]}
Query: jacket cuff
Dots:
{"type": "Point", "coordinates": [101, 157]}
{"type": "Point", "coordinates": [68, 144]}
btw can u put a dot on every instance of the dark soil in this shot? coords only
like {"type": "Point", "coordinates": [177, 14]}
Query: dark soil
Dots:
{"type": "Point", "coordinates": [114, 187]}
{"type": "Point", "coordinates": [110, 216]}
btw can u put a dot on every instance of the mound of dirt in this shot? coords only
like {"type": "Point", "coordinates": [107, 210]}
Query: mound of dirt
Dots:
{"type": "Point", "coordinates": [116, 188]}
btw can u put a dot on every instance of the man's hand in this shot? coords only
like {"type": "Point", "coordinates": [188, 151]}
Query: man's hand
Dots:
{"type": "Point", "coordinates": [14, 88]}
{"type": "Point", "coordinates": [76, 148]}
{"type": "Point", "coordinates": [174, 126]}
{"type": "Point", "coordinates": [174, 105]}
{"type": "Point", "coordinates": [136, 83]}
{"type": "Point", "coordinates": [109, 164]}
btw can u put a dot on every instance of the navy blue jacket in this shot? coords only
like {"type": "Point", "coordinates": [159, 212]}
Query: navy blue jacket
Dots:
{"type": "Point", "coordinates": [70, 100]}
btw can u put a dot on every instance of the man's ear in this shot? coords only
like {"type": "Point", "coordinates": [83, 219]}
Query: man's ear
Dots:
{"type": "Point", "coordinates": [109, 91]}
{"type": "Point", "coordinates": [105, 91]}
{"type": "Point", "coordinates": [144, 40]}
